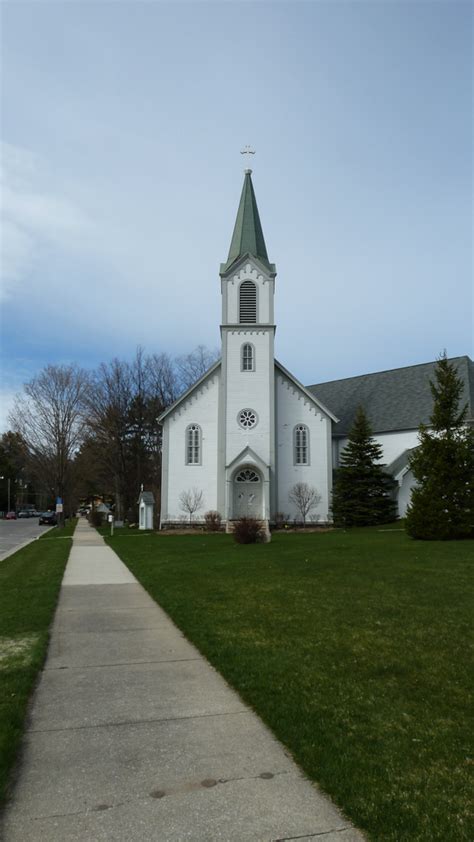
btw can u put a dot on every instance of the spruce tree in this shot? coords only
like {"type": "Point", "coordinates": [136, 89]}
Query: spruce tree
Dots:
{"type": "Point", "coordinates": [362, 493]}
{"type": "Point", "coordinates": [442, 504]}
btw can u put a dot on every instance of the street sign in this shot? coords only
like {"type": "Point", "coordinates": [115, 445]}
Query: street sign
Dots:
{"type": "Point", "coordinates": [59, 500]}
{"type": "Point", "coordinates": [59, 508]}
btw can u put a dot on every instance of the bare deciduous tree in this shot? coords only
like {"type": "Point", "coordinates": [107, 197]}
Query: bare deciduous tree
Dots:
{"type": "Point", "coordinates": [126, 400]}
{"type": "Point", "coordinates": [50, 418]}
{"type": "Point", "coordinates": [191, 501]}
{"type": "Point", "coordinates": [117, 423]}
{"type": "Point", "coordinates": [109, 407]}
{"type": "Point", "coordinates": [191, 367]}
{"type": "Point", "coordinates": [305, 497]}
{"type": "Point", "coordinates": [163, 379]}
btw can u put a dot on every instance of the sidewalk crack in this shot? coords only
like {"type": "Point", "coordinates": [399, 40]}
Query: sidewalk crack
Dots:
{"type": "Point", "coordinates": [121, 664]}
{"type": "Point", "coordinates": [314, 835]}
{"type": "Point", "coordinates": [139, 722]}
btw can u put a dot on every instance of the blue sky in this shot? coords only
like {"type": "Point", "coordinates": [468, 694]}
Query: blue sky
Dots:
{"type": "Point", "coordinates": [122, 124]}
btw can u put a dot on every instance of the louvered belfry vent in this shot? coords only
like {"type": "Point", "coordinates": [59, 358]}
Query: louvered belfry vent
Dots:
{"type": "Point", "coordinates": [248, 303]}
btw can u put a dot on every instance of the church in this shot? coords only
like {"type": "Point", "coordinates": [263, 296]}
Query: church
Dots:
{"type": "Point", "coordinates": [247, 431]}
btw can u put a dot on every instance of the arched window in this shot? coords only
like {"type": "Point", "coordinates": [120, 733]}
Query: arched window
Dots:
{"type": "Point", "coordinates": [248, 357]}
{"type": "Point", "coordinates": [248, 303]}
{"type": "Point", "coordinates": [301, 444]}
{"type": "Point", "coordinates": [193, 445]}
{"type": "Point", "coordinates": [247, 475]}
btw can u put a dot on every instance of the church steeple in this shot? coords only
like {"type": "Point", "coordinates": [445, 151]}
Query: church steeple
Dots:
{"type": "Point", "coordinates": [248, 234]}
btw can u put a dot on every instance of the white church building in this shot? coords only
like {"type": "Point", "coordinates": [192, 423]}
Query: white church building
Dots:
{"type": "Point", "coordinates": [245, 433]}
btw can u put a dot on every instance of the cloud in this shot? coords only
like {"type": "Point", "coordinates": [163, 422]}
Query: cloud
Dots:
{"type": "Point", "coordinates": [16, 255]}
{"type": "Point", "coordinates": [34, 218]}
{"type": "Point", "coordinates": [114, 241]}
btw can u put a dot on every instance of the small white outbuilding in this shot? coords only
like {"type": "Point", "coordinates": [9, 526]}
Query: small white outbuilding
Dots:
{"type": "Point", "coordinates": [146, 504]}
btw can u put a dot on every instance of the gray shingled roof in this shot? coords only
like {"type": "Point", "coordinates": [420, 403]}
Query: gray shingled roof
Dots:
{"type": "Point", "coordinates": [399, 399]}
{"type": "Point", "coordinates": [147, 497]}
{"type": "Point", "coordinates": [400, 462]}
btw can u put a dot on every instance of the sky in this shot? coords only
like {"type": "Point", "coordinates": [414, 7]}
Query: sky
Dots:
{"type": "Point", "coordinates": [122, 125]}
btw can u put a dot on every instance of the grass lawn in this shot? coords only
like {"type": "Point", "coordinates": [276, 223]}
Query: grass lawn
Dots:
{"type": "Point", "coordinates": [61, 531]}
{"type": "Point", "coordinates": [355, 648]}
{"type": "Point", "coordinates": [29, 586]}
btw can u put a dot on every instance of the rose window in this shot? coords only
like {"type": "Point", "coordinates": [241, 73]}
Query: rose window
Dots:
{"type": "Point", "coordinates": [247, 418]}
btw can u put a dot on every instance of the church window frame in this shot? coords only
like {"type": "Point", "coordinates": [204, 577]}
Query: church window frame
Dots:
{"type": "Point", "coordinates": [301, 445]}
{"type": "Point", "coordinates": [247, 475]}
{"type": "Point", "coordinates": [248, 302]}
{"type": "Point", "coordinates": [247, 419]}
{"type": "Point", "coordinates": [247, 357]}
{"type": "Point", "coordinates": [193, 445]}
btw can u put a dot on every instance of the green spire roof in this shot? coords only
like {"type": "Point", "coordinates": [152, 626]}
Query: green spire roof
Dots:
{"type": "Point", "coordinates": [248, 235]}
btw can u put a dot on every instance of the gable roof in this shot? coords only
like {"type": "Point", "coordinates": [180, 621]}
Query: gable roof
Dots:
{"type": "Point", "coordinates": [248, 234]}
{"type": "Point", "coordinates": [399, 399]}
{"type": "Point", "coordinates": [400, 464]}
{"type": "Point", "coordinates": [189, 391]}
{"type": "Point", "coordinates": [146, 497]}
{"type": "Point", "coordinates": [247, 454]}
{"type": "Point", "coordinates": [306, 392]}
{"type": "Point", "coordinates": [214, 368]}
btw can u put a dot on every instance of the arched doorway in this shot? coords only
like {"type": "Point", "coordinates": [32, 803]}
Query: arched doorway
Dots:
{"type": "Point", "coordinates": [247, 493]}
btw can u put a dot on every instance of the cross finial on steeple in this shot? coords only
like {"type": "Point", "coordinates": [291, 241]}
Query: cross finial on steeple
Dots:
{"type": "Point", "coordinates": [247, 150]}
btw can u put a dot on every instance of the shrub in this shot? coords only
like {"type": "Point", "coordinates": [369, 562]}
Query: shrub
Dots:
{"type": "Point", "coordinates": [248, 530]}
{"type": "Point", "coordinates": [213, 521]}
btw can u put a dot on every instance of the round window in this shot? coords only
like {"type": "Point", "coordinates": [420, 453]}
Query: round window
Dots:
{"type": "Point", "coordinates": [247, 418]}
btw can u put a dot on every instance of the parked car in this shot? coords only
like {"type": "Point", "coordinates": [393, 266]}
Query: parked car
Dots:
{"type": "Point", "coordinates": [26, 513]}
{"type": "Point", "coordinates": [10, 516]}
{"type": "Point", "coordinates": [48, 519]}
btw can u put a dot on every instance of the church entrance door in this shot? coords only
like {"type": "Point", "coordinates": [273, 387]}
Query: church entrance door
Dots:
{"type": "Point", "coordinates": [247, 494]}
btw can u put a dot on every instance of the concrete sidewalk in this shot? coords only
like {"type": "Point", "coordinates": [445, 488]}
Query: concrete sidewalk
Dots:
{"type": "Point", "coordinates": [134, 736]}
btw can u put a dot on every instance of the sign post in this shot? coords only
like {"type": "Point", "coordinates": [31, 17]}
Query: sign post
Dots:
{"type": "Point", "coordinates": [111, 521]}
{"type": "Point", "coordinates": [59, 507]}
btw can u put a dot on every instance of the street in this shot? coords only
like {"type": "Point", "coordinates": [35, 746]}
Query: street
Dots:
{"type": "Point", "coordinates": [14, 533]}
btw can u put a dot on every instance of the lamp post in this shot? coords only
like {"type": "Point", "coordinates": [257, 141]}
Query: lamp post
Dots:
{"type": "Point", "coordinates": [8, 486]}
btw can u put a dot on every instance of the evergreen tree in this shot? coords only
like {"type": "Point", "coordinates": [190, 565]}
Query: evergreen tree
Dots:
{"type": "Point", "coordinates": [441, 505]}
{"type": "Point", "coordinates": [362, 493]}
